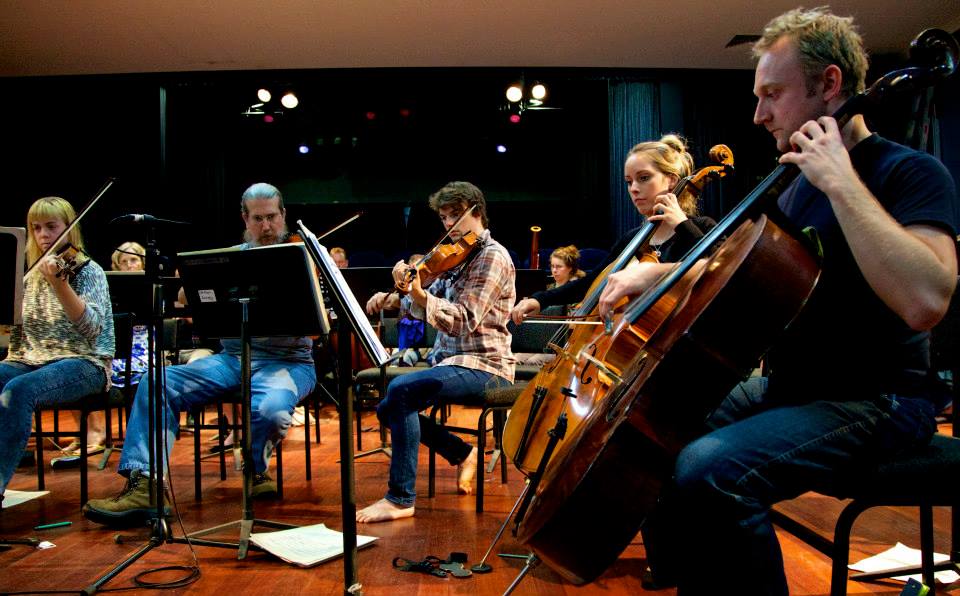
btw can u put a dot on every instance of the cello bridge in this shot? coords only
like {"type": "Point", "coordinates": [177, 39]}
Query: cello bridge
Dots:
{"type": "Point", "coordinates": [607, 375]}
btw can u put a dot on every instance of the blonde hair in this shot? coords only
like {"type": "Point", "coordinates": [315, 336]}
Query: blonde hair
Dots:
{"type": "Point", "coordinates": [670, 156]}
{"type": "Point", "coordinates": [51, 208]}
{"type": "Point", "coordinates": [127, 248]}
{"type": "Point", "coordinates": [821, 38]}
{"type": "Point", "coordinates": [336, 250]}
{"type": "Point", "coordinates": [569, 256]}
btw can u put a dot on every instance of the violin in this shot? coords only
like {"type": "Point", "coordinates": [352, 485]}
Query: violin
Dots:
{"type": "Point", "coordinates": [70, 260]}
{"type": "Point", "coordinates": [441, 258]}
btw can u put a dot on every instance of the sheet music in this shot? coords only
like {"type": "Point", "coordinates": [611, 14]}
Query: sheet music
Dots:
{"type": "Point", "coordinates": [15, 497]}
{"type": "Point", "coordinates": [368, 337]}
{"type": "Point", "coordinates": [305, 546]}
{"type": "Point", "coordinates": [903, 556]}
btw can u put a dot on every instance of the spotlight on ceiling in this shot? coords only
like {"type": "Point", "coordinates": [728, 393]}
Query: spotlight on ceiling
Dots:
{"type": "Point", "coordinates": [263, 95]}
{"type": "Point", "coordinates": [538, 91]}
{"type": "Point", "coordinates": [289, 100]}
{"type": "Point", "coordinates": [514, 93]}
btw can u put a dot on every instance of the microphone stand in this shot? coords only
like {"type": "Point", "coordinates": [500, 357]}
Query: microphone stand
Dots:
{"type": "Point", "coordinates": [159, 529]}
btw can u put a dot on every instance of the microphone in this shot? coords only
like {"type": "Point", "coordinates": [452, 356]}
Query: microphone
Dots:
{"type": "Point", "coordinates": [145, 218]}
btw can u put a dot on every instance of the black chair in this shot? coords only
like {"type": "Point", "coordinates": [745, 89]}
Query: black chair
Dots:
{"type": "Point", "coordinates": [525, 339]}
{"type": "Point", "coordinates": [223, 428]}
{"type": "Point", "coordinates": [381, 376]}
{"type": "Point", "coordinates": [922, 478]}
{"type": "Point", "coordinates": [115, 398]}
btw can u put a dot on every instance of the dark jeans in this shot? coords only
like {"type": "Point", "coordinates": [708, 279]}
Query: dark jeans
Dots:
{"type": "Point", "coordinates": [407, 395]}
{"type": "Point", "coordinates": [756, 455]}
{"type": "Point", "coordinates": [23, 387]}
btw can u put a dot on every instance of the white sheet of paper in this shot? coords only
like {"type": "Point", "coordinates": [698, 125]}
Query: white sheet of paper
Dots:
{"type": "Point", "coordinates": [305, 546]}
{"type": "Point", "coordinates": [15, 497]}
{"type": "Point", "coordinates": [903, 556]}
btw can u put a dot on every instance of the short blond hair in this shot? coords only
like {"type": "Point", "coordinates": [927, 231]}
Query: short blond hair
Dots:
{"type": "Point", "coordinates": [51, 208]}
{"type": "Point", "coordinates": [821, 38]}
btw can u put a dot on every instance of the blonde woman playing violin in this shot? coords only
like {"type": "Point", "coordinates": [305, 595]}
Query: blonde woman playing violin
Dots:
{"type": "Point", "coordinates": [469, 306]}
{"type": "Point", "coordinates": [63, 349]}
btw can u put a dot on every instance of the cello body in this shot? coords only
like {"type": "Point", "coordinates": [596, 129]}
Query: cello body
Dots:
{"type": "Point", "coordinates": [605, 477]}
{"type": "Point", "coordinates": [572, 384]}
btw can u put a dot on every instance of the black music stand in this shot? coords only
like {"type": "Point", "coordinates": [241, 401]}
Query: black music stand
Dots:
{"type": "Point", "coordinates": [269, 291]}
{"type": "Point", "coordinates": [12, 242]}
{"type": "Point", "coordinates": [350, 319]}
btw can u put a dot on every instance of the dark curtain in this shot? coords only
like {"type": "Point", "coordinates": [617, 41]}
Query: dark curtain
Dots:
{"type": "Point", "coordinates": [634, 116]}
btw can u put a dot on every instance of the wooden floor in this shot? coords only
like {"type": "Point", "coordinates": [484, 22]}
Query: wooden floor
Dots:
{"type": "Point", "coordinates": [85, 551]}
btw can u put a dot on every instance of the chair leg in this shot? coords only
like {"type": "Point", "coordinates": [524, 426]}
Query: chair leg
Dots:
{"type": "Point", "coordinates": [83, 457]}
{"type": "Point", "coordinates": [926, 547]}
{"type": "Point", "coordinates": [432, 461]}
{"type": "Point", "coordinates": [38, 416]}
{"type": "Point", "coordinates": [279, 452]}
{"type": "Point", "coordinates": [306, 437]}
{"type": "Point", "coordinates": [841, 547]}
{"type": "Point", "coordinates": [221, 437]}
{"type": "Point", "coordinates": [481, 452]}
{"type": "Point", "coordinates": [196, 453]}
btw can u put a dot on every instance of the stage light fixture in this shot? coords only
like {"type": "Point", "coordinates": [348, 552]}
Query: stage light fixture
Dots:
{"type": "Point", "coordinates": [501, 148]}
{"type": "Point", "coordinates": [264, 95]}
{"type": "Point", "coordinates": [304, 149]}
{"type": "Point", "coordinates": [514, 93]}
{"type": "Point", "coordinates": [515, 118]}
{"type": "Point", "coordinates": [267, 118]}
{"type": "Point", "coordinates": [289, 100]}
{"type": "Point", "coordinates": [538, 91]}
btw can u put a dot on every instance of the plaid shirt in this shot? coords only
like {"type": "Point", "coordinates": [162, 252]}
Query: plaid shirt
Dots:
{"type": "Point", "coordinates": [470, 307]}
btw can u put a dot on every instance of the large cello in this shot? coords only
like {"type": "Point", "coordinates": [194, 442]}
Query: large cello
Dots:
{"type": "Point", "coordinates": [569, 384]}
{"type": "Point", "coordinates": [606, 476]}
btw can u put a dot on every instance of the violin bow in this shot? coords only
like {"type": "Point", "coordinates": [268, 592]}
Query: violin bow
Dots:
{"type": "Point", "coordinates": [340, 225]}
{"type": "Point", "coordinates": [73, 224]}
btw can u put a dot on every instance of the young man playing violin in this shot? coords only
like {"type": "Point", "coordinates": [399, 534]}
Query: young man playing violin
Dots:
{"type": "Point", "coordinates": [469, 306]}
{"type": "Point", "coordinates": [886, 220]}
{"type": "Point", "coordinates": [282, 373]}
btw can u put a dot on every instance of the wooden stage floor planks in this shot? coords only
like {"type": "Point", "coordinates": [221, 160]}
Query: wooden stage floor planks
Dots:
{"type": "Point", "coordinates": [84, 550]}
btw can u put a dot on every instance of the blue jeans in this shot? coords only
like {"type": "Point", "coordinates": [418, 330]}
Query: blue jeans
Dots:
{"type": "Point", "coordinates": [24, 387]}
{"type": "Point", "coordinates": [407, 395]}
{"type": "Point", "coordinates": [275, 389]}
{"type": "Point", "coordinates": [756, 455]}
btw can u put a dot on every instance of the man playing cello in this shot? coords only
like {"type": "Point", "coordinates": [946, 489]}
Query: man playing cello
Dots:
{"type": "Point", "coordinates": [886, 219]}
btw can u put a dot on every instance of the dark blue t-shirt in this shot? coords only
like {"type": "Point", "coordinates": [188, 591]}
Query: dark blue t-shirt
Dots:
{"type": "Point", "coordinates": [847, 344]}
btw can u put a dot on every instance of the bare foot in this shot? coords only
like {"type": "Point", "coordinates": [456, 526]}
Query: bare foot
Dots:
{"type": "Point", "coordinates": [468, 469]}
{"type": "Point", "coordinates": [383, 510]}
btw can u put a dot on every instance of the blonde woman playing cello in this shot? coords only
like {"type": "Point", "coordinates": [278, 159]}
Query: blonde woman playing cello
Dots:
{"type": "Point", "coordinates": [651, 171]}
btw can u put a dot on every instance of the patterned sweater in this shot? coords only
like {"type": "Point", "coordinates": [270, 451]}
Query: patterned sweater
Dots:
{"type": "Point", "coordinates": [48, 335]}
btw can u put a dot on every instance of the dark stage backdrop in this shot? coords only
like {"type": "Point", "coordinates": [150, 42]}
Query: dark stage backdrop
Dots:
{"type": "Point", "coordinates": [379, 141]}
